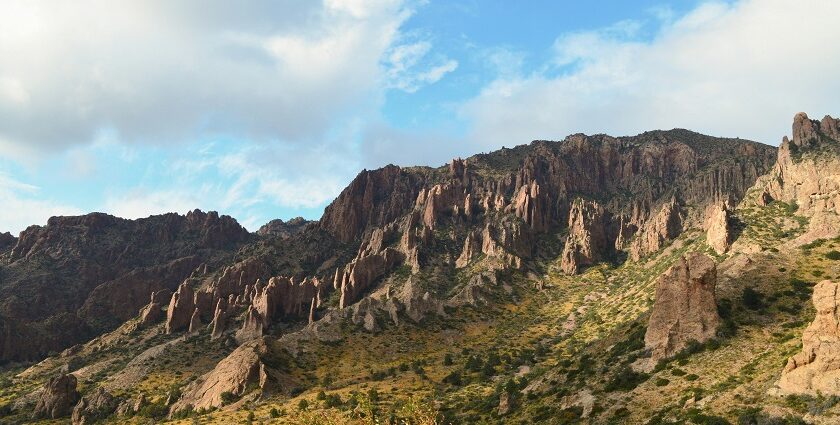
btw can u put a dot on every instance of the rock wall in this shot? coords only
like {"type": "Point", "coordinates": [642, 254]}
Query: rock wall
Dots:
{"type": "Point", "coordinates": [816, 369]}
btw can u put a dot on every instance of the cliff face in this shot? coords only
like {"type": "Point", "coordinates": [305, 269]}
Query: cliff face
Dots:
{"type": "Point", "coordinates": [807, 174]}
{"type": "Point", "coordinates": [78, 276]}
{"type": "Point", "coordinates": [647, 189]}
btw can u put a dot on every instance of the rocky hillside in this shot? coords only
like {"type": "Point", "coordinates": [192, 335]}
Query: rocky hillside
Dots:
{"type": "Point", "coordinates": [77, 277]}
{"type": "Point", "coordinates": [596, 279]}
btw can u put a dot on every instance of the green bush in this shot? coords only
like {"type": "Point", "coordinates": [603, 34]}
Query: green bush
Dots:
{"type": "Point", "coordinates": [661, 382]}
{"type": "Point", "coordinates": [625, 380]}
{"type": "Point", "coordinates": [833, 255]}
{"type": "Point", "coordinates": [228, 398]}
{"type": "Point", "coordinates": [752, 299]}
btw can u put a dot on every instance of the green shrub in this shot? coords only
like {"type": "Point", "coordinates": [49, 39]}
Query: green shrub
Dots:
{"type": "Point", "coordinates": [833, 255]}
{"type": "Point", "coordinates": [228, 398]}
{"type": "Point", "coordinates": [625, 380]}
{"type": "Point", "coordinates": [752, 299]}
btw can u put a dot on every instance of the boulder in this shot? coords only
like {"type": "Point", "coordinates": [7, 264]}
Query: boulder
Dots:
{"type": "Point", "coordinates": [57, 399]}
{"type": "Point", "coordinates": [236, 374]}
{"type": "Point", "coordinates": [95, 406]}
{"type": "Point", "coordinates": [685, 309]}
{"type": "Point", "coordinates": [816, 369]}
{"type": "Point", "coordinates": [131, 406]}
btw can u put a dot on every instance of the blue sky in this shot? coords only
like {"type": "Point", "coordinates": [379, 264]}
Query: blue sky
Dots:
{"type": "Point", "coordinates": [267, 109]}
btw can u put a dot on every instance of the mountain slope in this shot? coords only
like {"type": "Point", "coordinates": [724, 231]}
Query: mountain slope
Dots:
{"type": "Point", "coordinates": [513, 286]}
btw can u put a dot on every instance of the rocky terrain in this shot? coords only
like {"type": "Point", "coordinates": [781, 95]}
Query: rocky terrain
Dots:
{"type": "Point", "coordinates": [658, 278]}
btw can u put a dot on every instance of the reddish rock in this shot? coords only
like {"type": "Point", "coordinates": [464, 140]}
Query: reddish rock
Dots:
{"type": "Point", "coordinates": [93, 407]}
{"type": "Point", "coordinates": [181, 309]}
{"type": "Point", "coordinates": [373, 198]}
{"type": "Point", "coordinates": [362, 273]}
{"type": "Point", "coordinates": [195, 322]}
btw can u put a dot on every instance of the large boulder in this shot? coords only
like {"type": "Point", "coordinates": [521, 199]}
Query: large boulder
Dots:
{"type": "Point", "coordinates": [95, 406]}
{"type": "Point", "coordinates": [685, 309]}
{"type": "Point", "coordinates": [816, 369]}
{"type": "Point", "coordinates": [244, 369]}
{"type": "Point", "coordinates": [57, 399]}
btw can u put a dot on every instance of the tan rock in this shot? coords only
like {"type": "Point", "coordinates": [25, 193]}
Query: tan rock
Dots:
{"type": "Point", "coordinates": [655, 233]}
{"type": "Point", "coordinates": [587, 242]}
{"type": "Point", "coordinates": [685, 309]}
{"type": "Point", "coordinates": [219, 319]}
{"type": "Point", "coordinates": [471, 248]}
{"type": "Point", "coordinates": [58, 398]}
{"type": "Point", "coordinates": [361, 274]}
{"type": "Point", "coordinates": [816, 369]}
{"type": "Point", "coordinates": [131, 406]}
{"type": "Point", "coordinates": [195, 322]}
{"type": "Point", "coordinates": [237, 373]}
{"type": "Point", "coordinates": [717, 225]}
{"type": "Point", "coordinates": [95, 406]}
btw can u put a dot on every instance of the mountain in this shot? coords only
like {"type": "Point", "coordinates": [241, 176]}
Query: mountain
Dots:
{"type": "Point", "coordinates": [658, 278]}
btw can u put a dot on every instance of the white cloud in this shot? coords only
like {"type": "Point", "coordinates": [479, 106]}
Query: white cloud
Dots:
{"type": "Point", "coordinates": [161, 72]}
{"type": "Point", "coordinates": [410, 67]}
{"type": "Point", "coordinates": [740, 69]}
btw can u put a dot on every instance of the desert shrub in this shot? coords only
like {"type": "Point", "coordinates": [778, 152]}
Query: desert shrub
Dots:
{"type": "Point", "coordinates": [625, 380]}
{"type": "Point", "coordinates": [228, 398]}
{"type": "Point", "coordinates": [752, 299]}
{"type": "Point", "coordinates": [453, 378]}
{"type": "Point", "coordinates": [661, 382]}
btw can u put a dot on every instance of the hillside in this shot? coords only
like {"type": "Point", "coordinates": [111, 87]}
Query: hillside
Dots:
{"type": "Point", "coordinates": [555, 282]}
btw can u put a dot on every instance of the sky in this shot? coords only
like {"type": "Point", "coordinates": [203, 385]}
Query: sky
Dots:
{"type": "Point", "coordinates": [267, 109]}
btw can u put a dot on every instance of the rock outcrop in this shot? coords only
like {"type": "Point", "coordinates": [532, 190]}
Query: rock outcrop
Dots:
{"type": "Point", "coordinates": [58, 398]}
{"type": "Point", "coordinates": [78, 277]}
{"type": "Point", "coordinates": [807, 174]}
{"type": "Point", "coordinates": [93, 407]}
{"type": "Point", "coordinates": [242, 370]}
{"type": "Point", "coordinates": [373, 199]}
{"type": "Point", "coordinates": [153, 312]}
{"type": "Point", "coordinates": [181, 308]}
{"type": "Point", "coordinates": [7, 242]}
{"type": "Point", "coordinates": [816, 369]}
{"type": "Point", "coordinates": [283, 229]}
{"type": "Point", "coordinates": [655, 233]}
{"type": "Point", "coordinates": [685, 309]}
{"type": "Point", "coordinates": [588, 241]}
{"type": "Point", "coordinates": [363, 272]}
{"type": "Point", "coordinates": [718, 228]}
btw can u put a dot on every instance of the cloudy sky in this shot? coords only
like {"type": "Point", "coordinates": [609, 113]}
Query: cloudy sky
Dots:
{"type": "Point", "coordinates": [267, 109]}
